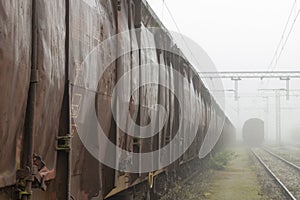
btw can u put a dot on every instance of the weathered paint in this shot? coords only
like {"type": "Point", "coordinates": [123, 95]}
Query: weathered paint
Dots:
{"type": "Point", "coordinates": [65, 33]}
{"type": "Point", "coordinates": [15, 62]}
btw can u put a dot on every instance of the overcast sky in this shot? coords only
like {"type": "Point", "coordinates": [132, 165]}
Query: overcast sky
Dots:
{"type": "Point", "coordinates": [241, 35]}
{"type": "Point", "coordinates": [236, 34]}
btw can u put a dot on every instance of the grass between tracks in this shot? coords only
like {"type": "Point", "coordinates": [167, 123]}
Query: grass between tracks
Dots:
{"type": "Point", "coordinates": [229, 175]}
{"type": "Point", "coordinates": [180, 191]}
{"type": "Point", "coordinates": [220, 160]}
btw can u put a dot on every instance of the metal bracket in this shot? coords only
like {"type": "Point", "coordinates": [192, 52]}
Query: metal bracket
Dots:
{"type": "Point", "coordinates": [119, 5]}
{"type": "Point", "coordinates": [24, 193]}
{"type": "Point", "coordinates": [39, 179]}
{"type": "Point", "coordinates": [32, 175]}
{"type": "Point", "coordinates": [23, 175]}
{"type": "Point", "coordinates": [150, 180]}
{"type": "Point", "coordinates": [64, 143]}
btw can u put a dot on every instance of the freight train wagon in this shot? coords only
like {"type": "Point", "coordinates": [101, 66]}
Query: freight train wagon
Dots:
{"type": "Point", "coordinates": [42, 82]}
{"type": "Point", "coordinates": [254, 132]}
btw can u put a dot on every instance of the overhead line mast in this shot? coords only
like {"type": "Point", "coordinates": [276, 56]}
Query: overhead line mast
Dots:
{"type": "Point", "coordinates": [238, 76]}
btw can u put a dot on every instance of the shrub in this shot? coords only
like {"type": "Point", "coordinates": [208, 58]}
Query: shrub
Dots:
{"type": "Point", "coordinates": [220, 160]}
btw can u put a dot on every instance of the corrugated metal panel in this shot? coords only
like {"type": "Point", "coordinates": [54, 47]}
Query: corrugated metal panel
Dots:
{"type": "Point", "coordinates": [148, 93]}
{"type": "Point", "coordinates": [123, 66]}
{"type": "Point", "coordinates": [172, 107]}
{"type": "Point", "coordinates": [15, 62]}
{"type": "Point", "coordinates": [186, 108]}
{"type": "Point", "coordinates": [106, 86]}
{"type": "Point", "coordinates": [135, 78]}
{"type": "Point", "coordinates": [193, 110]}
{"type": "Point", "coordinates": [50, 61]}
{"type": "Point", "coordinates": [164, 101]}
{"type": "Point", "coordinates": [91, 22]}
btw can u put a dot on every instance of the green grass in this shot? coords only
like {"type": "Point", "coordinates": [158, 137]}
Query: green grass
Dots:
{"type": "Point", "coordinates": [220, 160]}
{"type": "Point", "coordinates": [179, 192]}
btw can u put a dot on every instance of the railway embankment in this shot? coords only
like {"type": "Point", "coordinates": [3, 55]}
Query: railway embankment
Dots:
{"type": "Point", "coordinates": [229, 176]}
{"type": "Point", "coordinates": [237, 181]}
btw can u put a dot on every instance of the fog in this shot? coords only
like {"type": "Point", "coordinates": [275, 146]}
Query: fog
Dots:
{"type": "Point", "coordinates": [242, 35]}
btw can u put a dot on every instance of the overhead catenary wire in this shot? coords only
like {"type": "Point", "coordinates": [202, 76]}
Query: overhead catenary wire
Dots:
{"type": "Point", "coordinates": [283, 34]}
{"type": "Point", "coordinates": [183, 39]}
{"type": "Point", "coordinates": [162, 9]}
{"type": "Point", "coordinates": [178, 29]}
{"type": "Point", "coordinates": [277, 55]}
{"type": "Point", "coordinates": [286, 40]}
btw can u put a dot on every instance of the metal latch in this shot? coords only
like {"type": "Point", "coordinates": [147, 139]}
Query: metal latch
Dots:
{"type": "Point", "coordinates": [64, 143]}
{"type": "Point", "coordinates": [36, 175]}
{"type": "Point", "coordinates": [38, 168]}
{"type": "Point", "coordinates": [150, 179]}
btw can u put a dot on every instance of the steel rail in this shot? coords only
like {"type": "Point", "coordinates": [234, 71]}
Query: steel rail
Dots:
{"type": "Point", "coordinates": [285, 189]}
{"type": "Point", "coordinates": [282, 159]}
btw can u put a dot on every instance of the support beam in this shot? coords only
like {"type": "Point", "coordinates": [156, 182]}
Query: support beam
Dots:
{"type": "Point", "coordinates": [237, 76]}
{"type": "Point", "coordinates": [267, 118]}
{"type": "Point", "coordinates": [236, 88]}
{"type": "Point", "coordinates": [253, 74]}
{"type": "Point", "coordinates": [288, 89]}
{"type": "Point", "coordinates": [278, 117]}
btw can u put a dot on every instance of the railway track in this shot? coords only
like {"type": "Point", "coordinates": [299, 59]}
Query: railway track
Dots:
{"type": "Point", "coordinates": [282, 159]}
{"type": "Point", "coordinates": [289, 152]}
{"type": "Point", "coordinates": [284, 172]}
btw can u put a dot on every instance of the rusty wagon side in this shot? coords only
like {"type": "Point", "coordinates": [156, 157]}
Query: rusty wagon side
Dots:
{"type": "Point", "coordinates": [42, 83]}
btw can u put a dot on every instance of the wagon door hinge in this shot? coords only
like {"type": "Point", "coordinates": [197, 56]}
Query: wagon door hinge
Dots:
{"type": "Point", "coordinates": [39, 170]}
{"type": "Point", "coordinates": [23, 175]}
{"type": "Point", "coordinates": [35, 175]}
{"type": "Point", "coordinates": [64, 143]}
